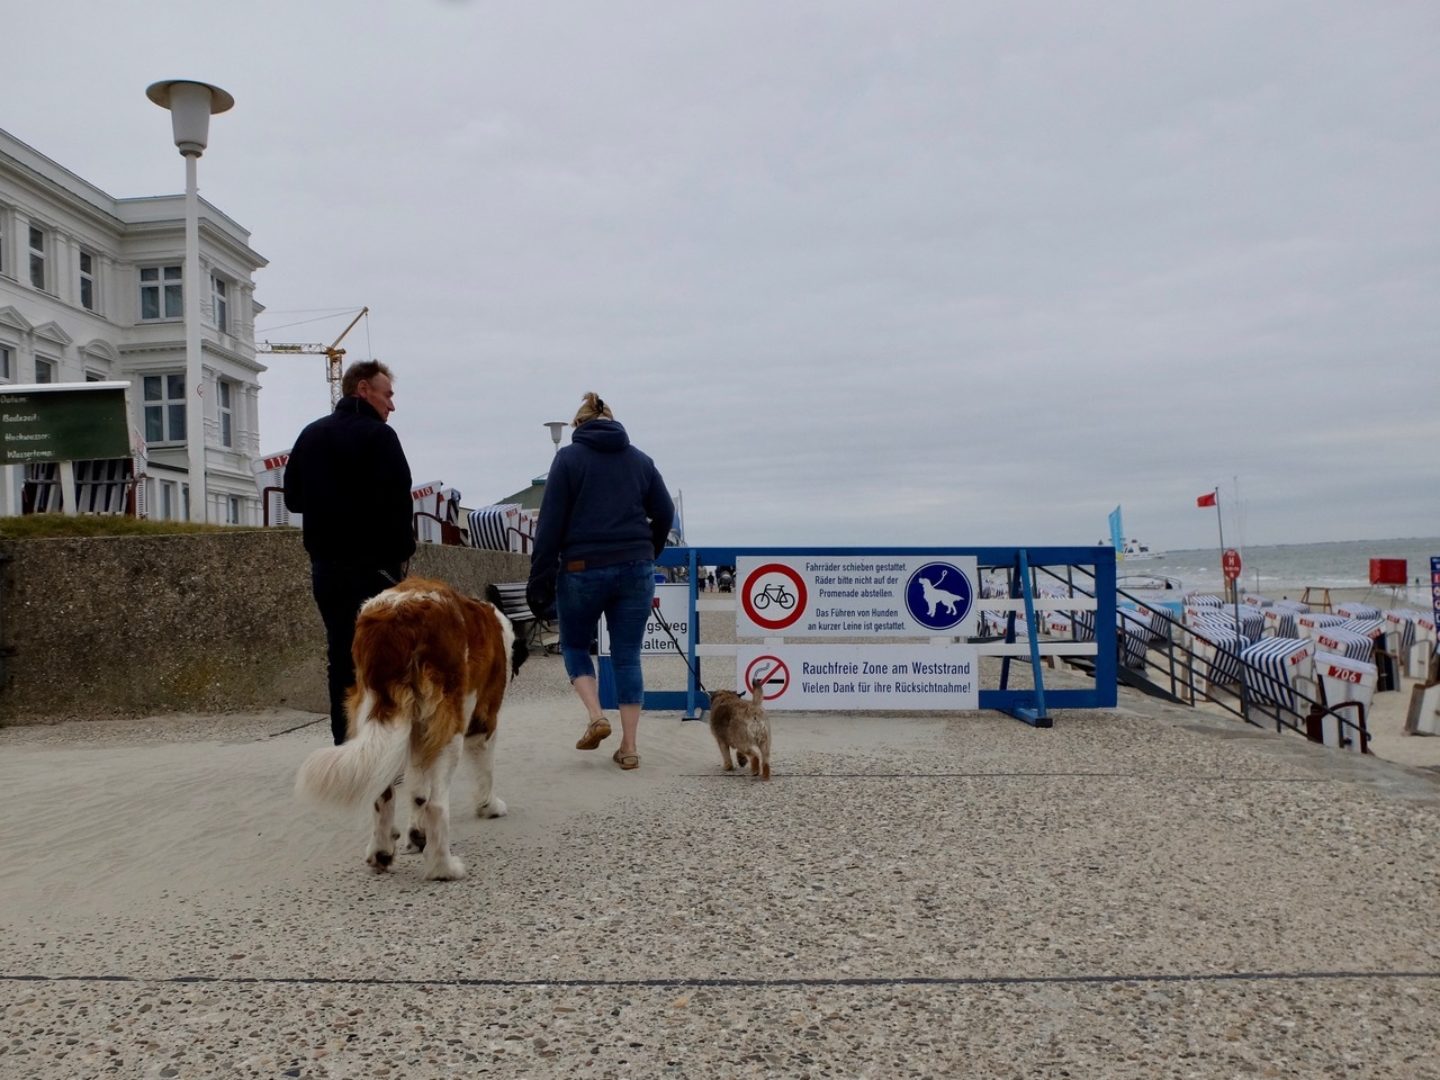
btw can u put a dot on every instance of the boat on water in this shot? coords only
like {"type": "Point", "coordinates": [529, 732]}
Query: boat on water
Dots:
{"type": "Point", "coordinates": [1135, 551]}
{"type": "Point", "coordinates": [1127, 549]}
{"type": "Point", "coordinates": [1150, 584]}
{"type": "Point", "coordinates": [1132, 550]}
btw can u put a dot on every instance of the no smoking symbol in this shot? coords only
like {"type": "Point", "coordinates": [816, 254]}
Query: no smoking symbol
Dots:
{"type": "Point", "coordinates": [773, 671]}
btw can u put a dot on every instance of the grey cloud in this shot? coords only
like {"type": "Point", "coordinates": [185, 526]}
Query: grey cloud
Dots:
{"type": "Point", "coordinates": [851, 272]}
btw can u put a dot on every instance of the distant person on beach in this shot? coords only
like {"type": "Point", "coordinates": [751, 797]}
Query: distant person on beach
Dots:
{"type": "Point", "coordinates": [349, 478]}
{"type": "Point", "coordinates": [603, 521]}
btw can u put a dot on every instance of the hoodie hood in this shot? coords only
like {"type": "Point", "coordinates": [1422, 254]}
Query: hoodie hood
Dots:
{"type": "Point", "coordinates": [606, 436]}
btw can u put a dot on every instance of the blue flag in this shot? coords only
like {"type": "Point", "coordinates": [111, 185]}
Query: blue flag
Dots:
{"type": "Point", "coordinates": [1117, 531]}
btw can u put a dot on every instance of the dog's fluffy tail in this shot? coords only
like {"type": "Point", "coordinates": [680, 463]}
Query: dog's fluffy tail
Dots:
{"type": "Point", "coordinates": [359, 770]}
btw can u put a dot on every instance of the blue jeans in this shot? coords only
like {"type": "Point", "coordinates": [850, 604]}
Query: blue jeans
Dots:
{"type": "Point", "coordinates": [623, 593]}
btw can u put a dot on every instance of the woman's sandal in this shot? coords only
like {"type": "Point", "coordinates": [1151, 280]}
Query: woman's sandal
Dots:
{"type": "Point", "coordinates": [595, 734]}
{"type": "Point", "coordinates": [626, 761]}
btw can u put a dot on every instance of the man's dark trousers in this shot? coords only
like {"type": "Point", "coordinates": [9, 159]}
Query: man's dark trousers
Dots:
{"type": "Point", "coordinates": [340, 589]}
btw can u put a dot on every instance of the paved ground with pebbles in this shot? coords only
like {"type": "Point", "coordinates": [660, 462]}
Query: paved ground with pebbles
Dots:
{"type": "Point", "coordinates": [1141, 893]}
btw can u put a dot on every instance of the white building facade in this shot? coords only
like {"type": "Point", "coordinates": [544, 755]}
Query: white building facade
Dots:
{"type": "Point", "coordinates": [92, 289]}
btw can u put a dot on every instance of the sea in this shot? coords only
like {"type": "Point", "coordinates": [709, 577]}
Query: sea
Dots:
{"type": "Point", "coordinates": [1281, 570]}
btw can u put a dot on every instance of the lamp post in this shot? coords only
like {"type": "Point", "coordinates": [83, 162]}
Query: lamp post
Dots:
{"type": "Point", "coordinates": [191, 104]}
{"type": "Point", "coordinates": [555, 426]}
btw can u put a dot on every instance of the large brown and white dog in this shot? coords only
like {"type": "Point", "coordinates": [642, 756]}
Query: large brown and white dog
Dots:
{"type": "Point", "coordinates": [431, 667]}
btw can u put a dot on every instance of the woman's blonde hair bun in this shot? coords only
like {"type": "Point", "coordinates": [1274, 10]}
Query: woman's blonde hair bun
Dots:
{"type": "Point", "coordinates": [592, 406]}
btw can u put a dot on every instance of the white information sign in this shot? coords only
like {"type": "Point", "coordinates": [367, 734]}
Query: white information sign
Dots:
{"type": "Point", "coordinates": [675, 606]}
{"type": "Point", "coordinates": [856, 596]}
{"type": "Point", "coordinates": [880, 677]}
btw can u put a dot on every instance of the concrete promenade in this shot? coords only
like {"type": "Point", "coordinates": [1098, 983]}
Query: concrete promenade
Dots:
{"type": "Point", "coordinates": [1142, 893]}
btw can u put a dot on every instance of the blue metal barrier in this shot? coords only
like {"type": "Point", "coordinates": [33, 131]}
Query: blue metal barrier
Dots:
{"type": "Point", "coordinates": [1030, 705]}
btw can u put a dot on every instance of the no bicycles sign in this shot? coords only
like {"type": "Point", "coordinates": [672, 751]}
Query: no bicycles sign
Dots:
{"type": "Point", "coordinates": [856, 596]}
{"type": "Point", "coordinates": [774, 596]}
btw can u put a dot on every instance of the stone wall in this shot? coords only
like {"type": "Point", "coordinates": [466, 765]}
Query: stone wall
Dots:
{"type": "Point", "coordinates": [127, 626]}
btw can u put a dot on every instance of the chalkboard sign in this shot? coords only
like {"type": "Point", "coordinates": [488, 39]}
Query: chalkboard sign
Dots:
{"type": "Point", "coordinates": [63, 422]}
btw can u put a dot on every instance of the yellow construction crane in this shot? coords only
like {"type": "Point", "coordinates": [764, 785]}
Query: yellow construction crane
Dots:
{"type": "Point", "coordinates": [334, 355]}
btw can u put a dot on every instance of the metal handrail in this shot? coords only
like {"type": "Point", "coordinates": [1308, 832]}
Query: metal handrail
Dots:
{"type": "Point", "coordinates": [1299, 724]}
{"type": "Point", "coordinates": [449, 532]}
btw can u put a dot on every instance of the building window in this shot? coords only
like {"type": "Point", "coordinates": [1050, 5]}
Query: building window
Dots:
{"type": "Point", "coordinates": [45, 370]}
{"type": "Point", "coordinates": [220, 298]}
{"type": "Point", "coordinates": [161, 296]}
{"type": "Point", "coordinates": [7, 363]}
{"type": "Point", "coordinates": [87, 281]}
{"type": "Point", "coordinates": [226, 399]}
{"type": "Point", "coordinates": [232, 509]}
{"type": "Point", "coordinates": [164, 409]}
{"type": "Point", "coordinates": [91, 375]}
{"type": "Point", "coordinates": [169, 492]}
{"type": "Point", "coordinates": [37, 257]}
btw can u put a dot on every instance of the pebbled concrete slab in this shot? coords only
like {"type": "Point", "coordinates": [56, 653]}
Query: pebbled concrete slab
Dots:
{"type": "Point", "coordinates": [1141, 893]}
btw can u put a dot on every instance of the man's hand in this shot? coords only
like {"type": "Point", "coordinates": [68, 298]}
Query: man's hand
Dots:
{"type": "Point", "coordinates": [540, 595]}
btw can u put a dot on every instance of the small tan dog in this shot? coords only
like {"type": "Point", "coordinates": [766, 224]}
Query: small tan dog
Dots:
{"type": "Point", "coordinates": [742, 726]}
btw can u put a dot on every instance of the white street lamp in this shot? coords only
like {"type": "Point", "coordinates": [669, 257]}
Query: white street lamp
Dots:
{"type": "Point", "coordinates": [191, 104]}
{"type": "Point", "coordinates": [555, 426]}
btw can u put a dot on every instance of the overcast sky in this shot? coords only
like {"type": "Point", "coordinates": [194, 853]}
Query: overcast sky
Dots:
{"type": "Point", "coordinates": [852, 273]}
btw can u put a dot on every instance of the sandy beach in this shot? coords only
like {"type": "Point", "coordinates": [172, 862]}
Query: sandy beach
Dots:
{"type": "Point", "coordinates": [1138, 893]}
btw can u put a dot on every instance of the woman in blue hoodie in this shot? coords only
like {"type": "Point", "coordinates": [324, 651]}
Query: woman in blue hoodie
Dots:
{"type": "Point", "coordinates": [604, 519]}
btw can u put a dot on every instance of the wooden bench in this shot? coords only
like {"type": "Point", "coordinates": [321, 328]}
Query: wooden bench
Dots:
{"type": "Point", "coordinates": [509, 597]}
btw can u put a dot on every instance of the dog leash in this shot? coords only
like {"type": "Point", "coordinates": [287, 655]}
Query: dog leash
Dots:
{"type": "Point", "coordinates": [684, 653]}
{"type": "Point", "coordinates": [297, 727]}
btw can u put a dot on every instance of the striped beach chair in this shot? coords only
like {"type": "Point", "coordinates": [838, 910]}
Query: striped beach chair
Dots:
{"type": "Point", "coordinates": [489, 526]}
{"type": "Point", "coordinates": [1387, 662]}
{"type": "Point", "coordinates": [1372, 626]}
{"type": "Point", "coordinates": [1427, 643]}
{"type": "Point", "coordinates": [1135, 636]}
{"type": "Point", "coordinates": [1058, 624]}
{"type": "Point", "coordinates": [1400, 635]}
{"type": "Point", "coordinates": [1345, 642]}
{"type": "Point", "coordinates": [1252, 624]}
{"type": "Point", "coordinates": [1343, 679]}
{"type": "Point", "coordinates": [1209, 600]}
{"type": "Point", "coordinates": [1308, 624]}
{"type": "Point", "coordinates": [1217, 649]}
{"type": "Point", "coordinates": [992, 624]}
{"type": "Point", "coordinates": [1353, 609]}
{"type": "Point", "coordinates": [1192, 613]}
{"type": "Point", "coordinates": [1280, 618]}
{"type": "Point", "coordinates": [1425, 631]}
{"type": "Point", "coordinates": [1413, 633]}
{"type": "Point", "coordinates": [1275, 668]}
{"type": "Point", "coordinates": [1157, 621]}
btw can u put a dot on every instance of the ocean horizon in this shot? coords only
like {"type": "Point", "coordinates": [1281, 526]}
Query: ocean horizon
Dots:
{"type": "Point", "coordinates": [1281, 569]}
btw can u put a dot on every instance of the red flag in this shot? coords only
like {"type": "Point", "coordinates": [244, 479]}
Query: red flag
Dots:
{"type": "Point", "coordinates": [1208, 499]}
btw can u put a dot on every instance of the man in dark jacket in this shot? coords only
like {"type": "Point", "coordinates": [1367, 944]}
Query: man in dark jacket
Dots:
{"type": "Point", "coordinates": [349, 478]}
